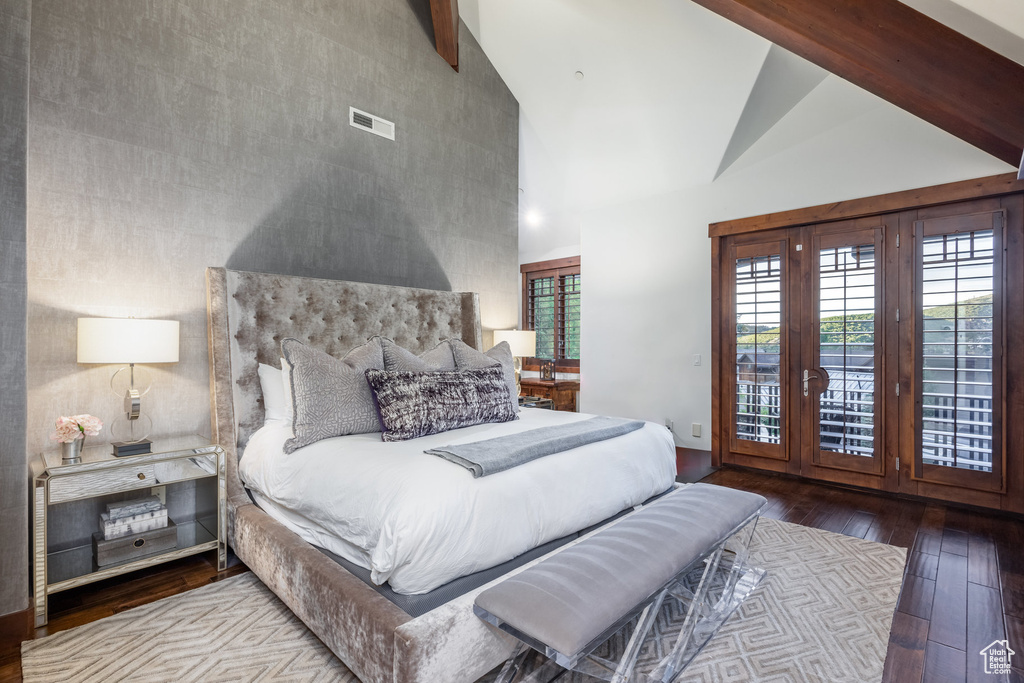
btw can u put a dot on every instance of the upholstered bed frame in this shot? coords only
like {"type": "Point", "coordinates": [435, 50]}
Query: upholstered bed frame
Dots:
{"type": "Point", "coordinates": [249, 313]}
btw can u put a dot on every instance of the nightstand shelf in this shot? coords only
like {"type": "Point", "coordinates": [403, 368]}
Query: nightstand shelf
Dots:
{"type": "Point", "coordinates": [187, 473]}
{"type": "Point", "coordinates": [536, 402]}
{"type": "Point", "coordinates": [74, 567]}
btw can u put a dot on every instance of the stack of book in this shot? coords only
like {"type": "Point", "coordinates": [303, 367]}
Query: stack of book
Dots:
{"type": "Point", "coordinates": [133, 517]}
{"type": "Point", "coordinates": [123, 448]}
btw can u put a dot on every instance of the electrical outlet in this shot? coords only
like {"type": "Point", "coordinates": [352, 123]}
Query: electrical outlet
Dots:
{"type": "Point", "coordinates": [160, 492]}
{"type": "Point", "coordinates": [669, 425]}
{"type": "Point", "coordinates": [695, 429]}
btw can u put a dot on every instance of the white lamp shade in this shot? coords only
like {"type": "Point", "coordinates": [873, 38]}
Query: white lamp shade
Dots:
{"type": "Point", "coordinates": [127, 340]}
{"type": "Point", "coordinates": [523, 342]}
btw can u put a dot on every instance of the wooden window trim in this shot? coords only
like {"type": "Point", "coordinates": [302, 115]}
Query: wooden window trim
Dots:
{"type": "Point", "coordinates": [551, 268]}
{"type": "Point", "coordinates": [993, 480]}
{"type": "Point", "coordinates": [949, 193]}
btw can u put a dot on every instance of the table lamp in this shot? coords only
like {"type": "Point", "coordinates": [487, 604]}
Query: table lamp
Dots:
{"type": "Point", "coordinates": [128, 341]}
{"type": "Point", "coordinates": [523, 344]}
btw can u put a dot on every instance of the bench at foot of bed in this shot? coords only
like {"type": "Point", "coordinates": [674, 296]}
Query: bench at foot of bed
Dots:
{"type": "Point", "coordinates": [690, 546]}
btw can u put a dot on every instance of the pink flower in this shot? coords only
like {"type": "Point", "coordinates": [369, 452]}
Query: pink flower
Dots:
{"type": "Point", "coordinates": [89, 424]}
{"type": "Point", "coordinates": [76, 427]}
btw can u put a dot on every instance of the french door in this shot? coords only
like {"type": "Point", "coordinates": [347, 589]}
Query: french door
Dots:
{"type": "Point", "coordinates": [760, 345]}
{"type": "Point", "coordinates": [805, 328]}
{"type": "Point", "coordinates": [870, 351]}
{"type": "Point", "coordinates": [842, 375]}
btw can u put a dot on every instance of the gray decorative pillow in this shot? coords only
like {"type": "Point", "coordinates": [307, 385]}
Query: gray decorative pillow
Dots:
{"type": "Point", "coordinates": [330, 396]}
{"type": "Point", "coordinates": [412, 404]}
{"type": "Point", "coordinates": [398, 359]}
{"type": "Point", "coordinates": [466, 358]}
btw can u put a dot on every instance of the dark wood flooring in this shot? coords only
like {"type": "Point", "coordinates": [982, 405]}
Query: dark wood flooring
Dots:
{"type": "Point", "coordinates": [963, 586]}
{"type": "Point", "coordinates": [692, 465]}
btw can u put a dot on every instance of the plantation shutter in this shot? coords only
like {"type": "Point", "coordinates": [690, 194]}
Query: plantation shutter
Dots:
{"type": "Point", "coordinates": [551, 308]}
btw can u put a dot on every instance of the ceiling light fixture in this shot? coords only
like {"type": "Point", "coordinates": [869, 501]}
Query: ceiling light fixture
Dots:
{"type": "Point", "coordinates": [533, 218]}
{"type": "Point", "coordinates": [579, 75]}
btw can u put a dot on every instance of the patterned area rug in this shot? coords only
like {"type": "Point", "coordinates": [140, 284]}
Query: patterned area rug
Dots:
{"type": "Point", "coordinates": [822, 614]}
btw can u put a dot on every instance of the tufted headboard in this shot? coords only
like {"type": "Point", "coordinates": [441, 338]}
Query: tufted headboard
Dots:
{"type": "Point", "coordinates": [250, 313]}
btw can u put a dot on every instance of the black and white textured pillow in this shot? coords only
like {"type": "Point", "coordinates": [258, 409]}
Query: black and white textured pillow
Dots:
{"type": "Point", "coordinates": [466, 358]}
{"type": "Point", "coordinates": [399, 359]}
{"type": "Point", "coordinates": [330, 396]}
{"type": "Point", "coordinates": [413, 404]}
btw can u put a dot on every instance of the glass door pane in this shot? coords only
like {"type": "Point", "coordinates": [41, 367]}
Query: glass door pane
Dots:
{"type": "Point", "coordinates": [758, 318]}
{"type": "Point", "coordinates": [843, 370]}
{"type": "Point", "coordinates": [758, 342]}
{"type": "Point", "coordinates": [846, 349]}
{"type": "Point", "coordinates": [957, 416]}
{"type": "Point", "coordinates": [958, 349]}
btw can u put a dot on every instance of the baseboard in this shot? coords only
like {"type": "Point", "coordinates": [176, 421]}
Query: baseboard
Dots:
{"type": "Point", "coordinates": [15, 628]}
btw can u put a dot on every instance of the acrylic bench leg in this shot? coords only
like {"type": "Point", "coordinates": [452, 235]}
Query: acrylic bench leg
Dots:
{"type": "Point", "coordinates": [674, 659]}
{"type": "Point", "coordinates": [624, 671]}
{"type": "Point", "coordinates": [741, 550]}
{"type": "Point", "coordinates": [513, 664]}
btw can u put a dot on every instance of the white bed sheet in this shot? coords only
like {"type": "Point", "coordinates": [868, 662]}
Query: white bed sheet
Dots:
{"type": "Point", "coordinates": [419, 521]}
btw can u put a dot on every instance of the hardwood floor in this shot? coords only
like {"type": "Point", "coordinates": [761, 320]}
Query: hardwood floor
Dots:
{"type": "Point", "coordinates": [104, 598]}
{"type": "Point", "coordinates": [692, 465]}
{"type": "Point", "coordinates": [963, 587]}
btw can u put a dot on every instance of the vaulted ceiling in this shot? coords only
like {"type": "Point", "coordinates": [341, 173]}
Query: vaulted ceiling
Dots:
{"type": "Point", "coordinates": [625, 100]}
{"type": "Point", "coordinates": [904, 57]}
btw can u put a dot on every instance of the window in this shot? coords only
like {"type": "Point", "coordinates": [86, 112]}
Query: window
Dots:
{"type": "Point", "coordinates": [870, 351]}
{"type": "Point", "coordinates": [758, 347]}
{"type": "Point", "coordinates": [957, 316]}
{"type": "Point", "coordinates": [551, 307]}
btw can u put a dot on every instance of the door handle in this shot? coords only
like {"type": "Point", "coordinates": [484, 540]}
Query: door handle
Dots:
{"type": "Point", "coordinates": [807, 381]}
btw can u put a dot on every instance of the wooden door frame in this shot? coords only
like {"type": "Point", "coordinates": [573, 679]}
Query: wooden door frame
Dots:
{"type": "Point", "coordinates": [722, 272]}
{"type": "Point", "coordinates": [1011, 495]}
{"type": "Point", "coordinates": [874, 473]}
{"type": "Point", "coordinates": [944, 475]}
{"type": "Point", "coordinates": [1005, 190]}
{"type": "Point", "coordinates": [749, 452]}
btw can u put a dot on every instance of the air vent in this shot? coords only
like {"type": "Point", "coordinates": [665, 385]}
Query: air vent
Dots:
{"type": "Point", "coordinates": [370, 123]}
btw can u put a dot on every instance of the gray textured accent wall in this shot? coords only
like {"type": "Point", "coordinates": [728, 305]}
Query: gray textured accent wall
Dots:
{"type": "Point", "coordinates": [14, 59]}
{"type": "Point", "coordinates": [166, 137]}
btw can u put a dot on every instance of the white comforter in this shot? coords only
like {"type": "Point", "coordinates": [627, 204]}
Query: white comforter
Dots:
{"type": "Point", "coordinates": [419, 521]}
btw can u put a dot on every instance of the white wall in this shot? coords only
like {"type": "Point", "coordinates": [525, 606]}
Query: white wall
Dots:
{"type": "Point", "coordinates": [555, 233]}
{"type": "Point", "coordinates": [647, 264]}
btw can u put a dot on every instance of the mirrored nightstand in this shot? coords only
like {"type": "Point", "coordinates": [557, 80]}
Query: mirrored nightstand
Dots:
{"type": "Point", "coordinates": [186, 473]}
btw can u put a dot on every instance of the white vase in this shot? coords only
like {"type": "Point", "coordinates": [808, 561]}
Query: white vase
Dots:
{"type": "Point", "coordinates": [71, 452]}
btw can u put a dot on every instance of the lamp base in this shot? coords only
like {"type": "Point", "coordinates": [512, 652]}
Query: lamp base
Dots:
{"type": "Point", "coordinates": [123, 448]}
{"type": "Point", "coordinates": [517, 366]}
{"type": "Point", "coordinates": [126, 430]}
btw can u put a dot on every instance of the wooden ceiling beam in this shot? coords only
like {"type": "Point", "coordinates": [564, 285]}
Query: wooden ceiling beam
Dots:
{"type": "Point", "coordinates": [904, 57]}
{"type": "Point", "coordinates": [445, 15]}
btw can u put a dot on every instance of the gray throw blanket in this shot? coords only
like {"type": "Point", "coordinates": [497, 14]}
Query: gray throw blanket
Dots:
{"type": "Point", "coordinates": [505, 452]}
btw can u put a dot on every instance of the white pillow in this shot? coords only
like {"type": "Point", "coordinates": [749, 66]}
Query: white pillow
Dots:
{"type": "Point", "coordinates": [274, 399]}
{"type": "Point", "coordinates": [286, 379]}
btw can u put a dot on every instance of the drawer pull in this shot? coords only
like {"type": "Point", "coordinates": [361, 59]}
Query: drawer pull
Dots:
{"type": "Point", "coordinates": [139, 542]}
{"type": "Point", "coordinates": [142, 475]}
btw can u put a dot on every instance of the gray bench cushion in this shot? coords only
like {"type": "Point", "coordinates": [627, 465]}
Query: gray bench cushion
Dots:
{"type": "Point", "coordinates": [569, 599]}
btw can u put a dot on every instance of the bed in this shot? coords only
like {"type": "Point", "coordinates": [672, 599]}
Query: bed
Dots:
{"type": "Point", "coordinates": [249, 314]}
